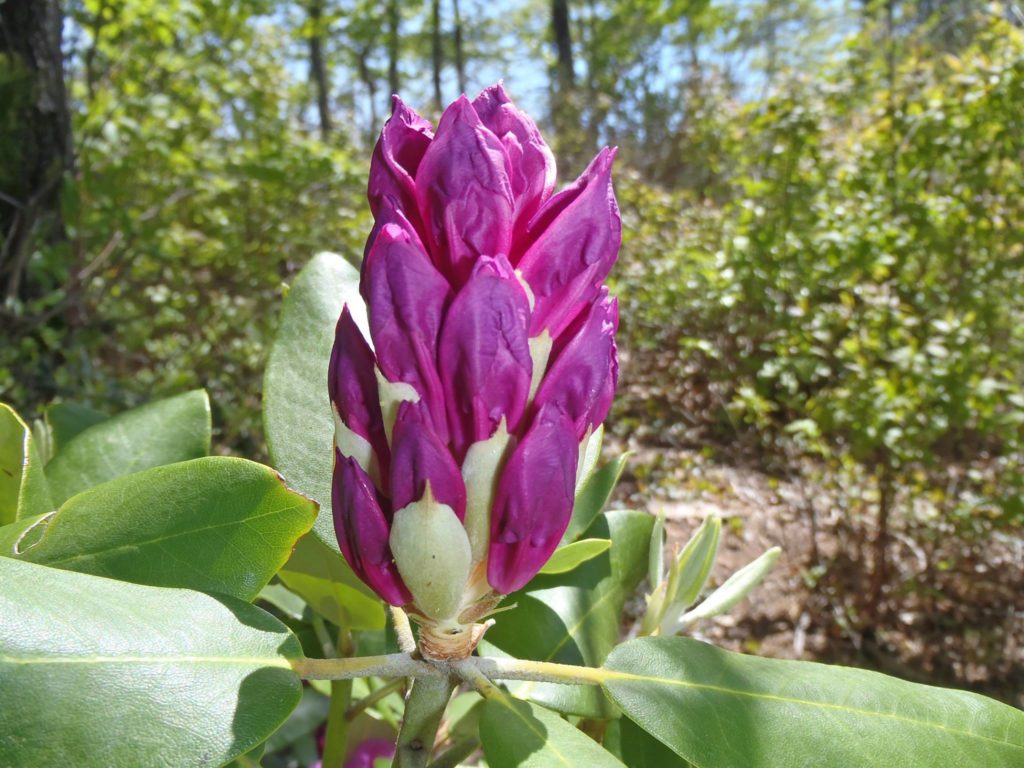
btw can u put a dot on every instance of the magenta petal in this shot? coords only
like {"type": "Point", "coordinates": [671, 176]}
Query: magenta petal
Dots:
{"type": "Point", "coordinates": [578, 232]}
{"type": "Point", "coordinates": [484, 354]}
{"type": "Point", "coordinates": [419, 457]}
{"type": "Point", "coordinates": [405, 299]}
{"type": "Point", "coordinates": [464, 193]}
{"type": "Point", "coordinates": [352, 385]}
{"type": "Point", "coordinates": [581, 381]}
{"type": "Point", "coordinates": [531, 163]}
{"type": "Point", "coordinates": [364, 755]}
{"type": "Point", "coordinates": [397, 156]}
{"type": "Point", "coordinates": [534, 501]}
{"type": "Point", "coordinates": [363, 530]}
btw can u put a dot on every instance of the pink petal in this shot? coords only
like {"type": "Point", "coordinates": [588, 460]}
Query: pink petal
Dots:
{"type": "Point", "coordinates": [419, 457]}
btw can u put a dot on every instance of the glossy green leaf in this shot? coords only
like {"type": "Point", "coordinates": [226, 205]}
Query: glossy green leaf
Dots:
{"type": "Point", "coordinates": [309, 715]}
{"type": "Point", "coordinates": [158, 433]}
{"type": "Point", "coordinates": [565, 559]}
{"type": "Point", "coordinates": [323, 579]}
{"type": "Point", "coordinates": [518, 734]}
{"type": "Point", "coordinates": [67, 420]}
{"type": "Point", "coordinates": [593, 496]}
{"type": "Point", "coordinates": [297, 414]}
{"type": "Point", "coordinates": [215, 524]}
{"type": "Point", "coordinates": [97, 672]}
{"type": "Point", "coordinates": [574, 618]}
{"type": "Point", "coordinates": [24, 489]}
{"type": "Point", "coordinates": [720, 709]}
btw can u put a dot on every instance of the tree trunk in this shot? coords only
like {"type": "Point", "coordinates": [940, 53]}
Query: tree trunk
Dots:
{"type": "Point", "coordinates": [437, 52]}
{"type": "Point", "coordinates": [563, 44]}
{"type": "Point", "coordinates": [318, 68]}
{"type": "Point", "coordinates": [39, 140]}
{"type": "Point", "coordinates": [460, 59]}
{"type": "Point", "coordinates": [394, 19]}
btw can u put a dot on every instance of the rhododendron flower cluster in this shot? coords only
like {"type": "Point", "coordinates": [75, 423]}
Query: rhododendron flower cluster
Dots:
{"type": "Point", "coordinates": [490, 363]}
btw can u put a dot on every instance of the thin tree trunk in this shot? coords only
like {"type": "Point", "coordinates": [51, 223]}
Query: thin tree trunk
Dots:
{"type": "Point", "coordinates": [371, 86]}
{"type": "Point", "coordinates": [563, 44]}
{"type": "Point", "coordinates": [30, 37]}
{"type": "Point", "coordinates": [318, 68]}
{"type": "Point", "coordinates": [437, 52]}
{"type": "Point", "coordinates": [460, 58]}
{"type": "Point", "coordinates": [394, 20]}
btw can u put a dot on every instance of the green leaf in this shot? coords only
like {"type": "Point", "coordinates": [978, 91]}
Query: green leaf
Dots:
{"type": "Point", "coordinates": [97, 672]}
{"type": "Point", "coordinates": [518, 734]}
{"type": "Point", "coordinates": [310, 713]}
{"type": "Point", "coordinates": [735, 588]}
{"type": "Point", "coordinates": [297, 415]}
{"type": "Point", "coordinates": [24, 489]}
{"type": "Point", "coordinates": [323, 579]}
{"type": "Point", "coordinates": [570, 556]}
{"type": "Point", "coordinates": [723, 709]}
{"type": "Point", "coordinates": [574, 618]}
{"type": "Point", "coordinates": [593, 496]}
{"type": "Point", "coordinates": [158, 433]}
{"type": "Point", "coordinates": [637, 748]}
{"type": "Point", "coordinates": [67, 420]}
{"type": "Point", "coordinates": [216, 524]}
{"type": "Point", "coordinates": [692, 567]}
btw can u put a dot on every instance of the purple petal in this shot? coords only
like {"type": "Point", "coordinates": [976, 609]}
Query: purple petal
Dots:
{"type": "Point", "coordinates": [531, 163]}
{"type": "Point", "coordinates": [405, 299]}
{"type": "Point", "coordinates": [578, 232]}
{"type": "Point", "coordinates": [464, 193]}
{"type": "Point", "coordinates": [484, 354]}
{"type": "Point", "coordinates": [419, 457]}
{"type": "Point", "coordinates": [533, 502]}
{"type": "Point", "coordinates": [397, 157]}
{"type": "Point", "coordinates": [364, 755]}
{"type": "Point", "coordinates": [363, 529]}
{"type": "Point", "coordinates": [352, 385]}
{"type": "Point", "coordinates": [581, 381]}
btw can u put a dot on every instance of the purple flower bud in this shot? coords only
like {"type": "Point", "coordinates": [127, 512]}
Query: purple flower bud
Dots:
{"type": "Point", "coordinates": [419, 457]}
{"type": "Point", "coordinates": [363, 529]}
{"type": "Point", "coordinates": [493, 354]}
{"type": "Point", "coordinates": [484, 354]}
{"type": "Point", "coordinates": [464, 192]}
{"type": "Point", "coordinates": [397, 157]}
{"type": "Point", "coordinates": [531, 164]}
{"type": "Point", "coordinates": [353, 387]}
{"type": "Point", "coordinates": [581, 380]}
{"type": "Point", "coordinates": [576, 240]}
{"type": "Point", "coordinates": [406, 298]}
{"type": "Point", "coordinates": [534, 501]}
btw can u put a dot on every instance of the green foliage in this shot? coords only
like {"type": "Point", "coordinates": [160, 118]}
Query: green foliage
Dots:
{"type": "Point", "coordinates": [117, 674]}
{"type": "Point", "coordinates": [717, 708]}
{"type": "Point", "coordinates": [216, 524]}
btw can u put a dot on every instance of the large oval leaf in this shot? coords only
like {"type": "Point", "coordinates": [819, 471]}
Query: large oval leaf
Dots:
{"type": "Point", "coordinates": [24, 490]}
{"type": "Point", "coordinates": [720, 709]}
{"type": "Point", "coordinates": [158, 433]}
{"type": "Point", "coordinates": [216, 524]}
{"type": "Point", "coordinates": [297, 415]}
{"type": "Point", "coordinates": [517, 734]}
{"type": "Point", "coordinates": [575, 618]}
{"type": "Point", "coordinates": [96, 672]}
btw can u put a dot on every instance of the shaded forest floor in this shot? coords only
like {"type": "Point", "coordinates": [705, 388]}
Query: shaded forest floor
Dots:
{"type": "Point", "coordinates": [952, 612]}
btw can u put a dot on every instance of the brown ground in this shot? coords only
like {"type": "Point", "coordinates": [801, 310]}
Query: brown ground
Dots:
{"type": "Point", "coordinates": [952, 611]}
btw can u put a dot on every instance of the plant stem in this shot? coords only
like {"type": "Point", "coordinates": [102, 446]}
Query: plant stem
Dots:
{"type": "Point", "coordinates": [403, 630]}
{"type": "Point", "coordinates": [391, 665]}
{"type": "Point", "coordinates": [456, 754]}
{"type": "Point", "coordinates": [539, 671]}
{"type": "Point", "coordinates": [373, 697]}
{"type": "Point", "coordinates": [336, 737]}
{"type": "Point", "coordinates": [424, 708]}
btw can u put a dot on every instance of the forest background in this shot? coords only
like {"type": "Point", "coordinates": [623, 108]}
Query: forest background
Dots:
{"type": "Point", "coordinates": [820, 281]}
